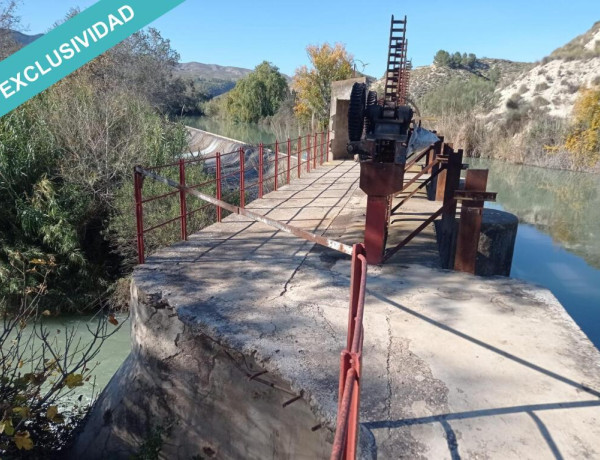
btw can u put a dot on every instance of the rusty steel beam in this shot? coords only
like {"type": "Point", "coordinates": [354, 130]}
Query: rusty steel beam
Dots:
{"type": "Point", "coordinates": [376, 224]}
{"type": "Point", "coordinates": [446, 239]}
{"type": "Point", "coordinates": [474, 195]}
{"type": "Point", "coordinates": [471, 214]}
{"type": "Point", "coordinates": [319, 239]}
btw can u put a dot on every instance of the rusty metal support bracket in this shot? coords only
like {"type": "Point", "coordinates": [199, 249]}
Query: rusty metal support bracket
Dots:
{"type": "Point", "coordinates": [469, 229]}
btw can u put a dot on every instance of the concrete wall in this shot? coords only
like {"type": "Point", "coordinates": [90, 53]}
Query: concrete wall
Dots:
{"type": "Point", "coordinates": [199, 390]}
{"type": "Point", "coordinates": [338, 117]}
{"type": "Point", "coordinates": [209, 143]}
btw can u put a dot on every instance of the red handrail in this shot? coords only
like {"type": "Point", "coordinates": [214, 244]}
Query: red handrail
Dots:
{"type": "Point", "coordinates": [311, 150]}
{"type": "Point", "coordinates": [346, 433]}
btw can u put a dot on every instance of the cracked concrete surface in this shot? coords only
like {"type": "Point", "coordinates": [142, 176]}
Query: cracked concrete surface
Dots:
{"type": "Point", "coordinates": [453, 365]}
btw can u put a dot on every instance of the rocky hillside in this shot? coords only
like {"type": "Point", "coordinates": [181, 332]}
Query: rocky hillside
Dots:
{"type": "Point", "coordinates": [553, 83]}
{"type": "Point", "coordinates": [426, 78]}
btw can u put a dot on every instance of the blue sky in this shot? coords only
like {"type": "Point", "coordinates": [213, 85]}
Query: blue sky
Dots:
{"type": "Point", "coordinates": [244, 33]}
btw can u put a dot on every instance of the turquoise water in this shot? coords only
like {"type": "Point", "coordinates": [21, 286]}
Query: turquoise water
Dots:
{"type": "Point", "coordinates": [558, 240]}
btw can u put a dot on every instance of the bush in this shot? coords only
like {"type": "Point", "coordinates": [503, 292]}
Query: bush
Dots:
{"type": "Point", "coordinates": [64, 156]}
{"type": "Point", "coordinates": [541, 86]}
{"type": "Point", "coordinates": [514, 102]}
{"type": "Point", "coordinates": [459, 96]}
{"type": "Point", "coordinates": [583, 139]}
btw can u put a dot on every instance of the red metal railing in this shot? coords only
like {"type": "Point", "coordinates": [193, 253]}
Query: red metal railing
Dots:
{"type": "Point", "coordinates": [346, 433]}
{"type": "Point", "coordinates": [237, 173]}
{"type": "Point", "coordinates": [314, 152]}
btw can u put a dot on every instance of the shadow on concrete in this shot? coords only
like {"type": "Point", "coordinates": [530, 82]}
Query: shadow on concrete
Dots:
{"type": "Point", "coordinates": [487, 346]}
{"type": "Point", "coordinates": [530, 410]}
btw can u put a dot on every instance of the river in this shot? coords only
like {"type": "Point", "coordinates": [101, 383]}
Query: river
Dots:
{"type": "Point", "coordinates": [558, 240]}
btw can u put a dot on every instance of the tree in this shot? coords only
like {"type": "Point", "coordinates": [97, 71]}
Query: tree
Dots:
{"type": "Point", "coordinates": [441, 58]}
{"type": "Point", "coordinates": [258, 95]}
{"type": "Point", "coordinates": [9, 22]}
{"type": "Point", "coordinates": [470, 61]}
{"type": "Point", "coordinates": [313, 86]}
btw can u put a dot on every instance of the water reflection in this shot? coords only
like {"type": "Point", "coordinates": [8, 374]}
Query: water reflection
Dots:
{"type": "Point", "coordinates": [562, 204]}
{"type": "Point", "coordinates": [558, 241]}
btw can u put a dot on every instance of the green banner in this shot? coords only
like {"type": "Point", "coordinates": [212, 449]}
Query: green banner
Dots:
{"type": "Point", "coordinates": [71, 45]}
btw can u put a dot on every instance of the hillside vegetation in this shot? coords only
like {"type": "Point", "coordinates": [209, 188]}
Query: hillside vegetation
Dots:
{"type": "Point", "coordinates": [584, 46]}
{"type": "Point", "coordinates": [515, 111]}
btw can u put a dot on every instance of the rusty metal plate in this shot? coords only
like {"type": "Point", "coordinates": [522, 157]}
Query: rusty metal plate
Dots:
{"type": "Point", "coordinates": [381, 179]}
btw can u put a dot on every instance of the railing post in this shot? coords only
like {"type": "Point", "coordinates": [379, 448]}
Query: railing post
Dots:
{"type": "Point", "coordinates": [299, 155]}
{"type": "Point", "coordinates": [308, 148]}
{"type": "Point", "coordinates": [276, 164]}
{"type": "Point", "coordinates": [322, 145]}
{"type": "Point", "coordinates": [182, 200]}
{"type": "Point", "coordinates": [219, 209]}
{"type": "Point", "coordinates": [327, 146]}
{"type": "Point", "coordinates": [260, 170]}
{"type": "Point", "coordinates": [289, 164]}
{"type": "Point", "coordinates": [440, 181]}
{"type": "Point", "coordinates": [242, 178]}
{"type": "Point", "coordinates": [138, 180]}
{"type": "Point", "coordinates": [436, 151]}
{"type": "Point", "coordinates": [315, 152]}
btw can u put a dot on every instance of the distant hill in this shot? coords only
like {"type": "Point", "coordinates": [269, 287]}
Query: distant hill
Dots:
{"type": "Point", "coordinates": [212, 79]}
{"type": "Point", "coordinates": [211, 71]}
{"type": "Point", "coordinates": [23, 39]}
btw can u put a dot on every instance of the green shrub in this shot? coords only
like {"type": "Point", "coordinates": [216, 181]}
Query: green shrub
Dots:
{"type": "Point", "coordinates": [459, 96]}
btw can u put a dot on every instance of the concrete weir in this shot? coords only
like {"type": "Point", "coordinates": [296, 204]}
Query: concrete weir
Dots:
{"type": "Point", "coordinates": [242, 320]}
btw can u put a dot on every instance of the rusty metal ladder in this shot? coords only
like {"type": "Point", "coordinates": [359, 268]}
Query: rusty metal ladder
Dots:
{"type": "Point", "coordinates": [396, 63]}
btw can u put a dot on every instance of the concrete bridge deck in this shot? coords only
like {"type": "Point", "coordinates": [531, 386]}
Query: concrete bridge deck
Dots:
{"type": "Point", "coordinates": [453, 366]}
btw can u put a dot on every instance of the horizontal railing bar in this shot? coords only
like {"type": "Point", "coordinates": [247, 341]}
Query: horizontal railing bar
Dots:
{"type": "Point", "coordinates": [199, 209]}
{"type": "Point", "coordinates": [158, 197]}
{"type": "Point", "coordinates": [319, 239]}
{"type": "Point", "coordinates": [162, 225]}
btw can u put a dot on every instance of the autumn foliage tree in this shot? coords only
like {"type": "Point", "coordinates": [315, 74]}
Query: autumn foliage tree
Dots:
{"type": "Point", "coordinates": [313, 86]}
{"type": "Point", "coordinates": [583, 139]}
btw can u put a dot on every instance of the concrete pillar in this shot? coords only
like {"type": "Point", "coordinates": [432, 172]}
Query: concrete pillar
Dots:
{"type": "Point", "coordinates": [338, 116]}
